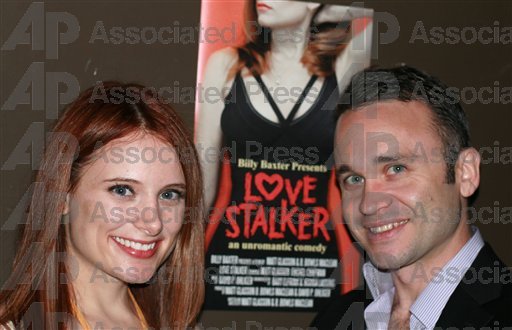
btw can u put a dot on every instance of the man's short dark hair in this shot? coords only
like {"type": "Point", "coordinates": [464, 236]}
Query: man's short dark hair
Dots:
{"type": "Point", "coordinates": [405, 83]}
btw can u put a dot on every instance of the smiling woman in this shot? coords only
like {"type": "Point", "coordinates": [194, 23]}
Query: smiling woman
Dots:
{"type": "Point", "coordinates": [111, 242]}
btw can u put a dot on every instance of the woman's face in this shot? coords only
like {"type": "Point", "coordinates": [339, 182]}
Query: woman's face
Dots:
{"type": "Point", "coordinates": [127, 210]}
{"type": "Point", "coordinates": [283, 13]}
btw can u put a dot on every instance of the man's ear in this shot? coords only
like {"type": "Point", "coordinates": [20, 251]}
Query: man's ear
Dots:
{"type": "Point", "coordinates": [467, 171]}
{"type": "Point", "coordinates": [65, 211]}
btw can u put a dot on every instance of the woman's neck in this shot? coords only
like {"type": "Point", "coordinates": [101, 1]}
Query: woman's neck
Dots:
{"type": "Point", "coordinates": [289, 43]}
{"type": "Point", "coordinates": [100, 296]}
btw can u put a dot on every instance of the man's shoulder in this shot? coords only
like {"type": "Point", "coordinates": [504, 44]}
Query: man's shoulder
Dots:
{"type": "Point", "coordinates": [488, 278]}
{"type": "Point", "coordinates": [484, 295]}
{"type": "Point", "coordinates": [493, 285]}
{"type": "Point", "coordinates": [343, 311]}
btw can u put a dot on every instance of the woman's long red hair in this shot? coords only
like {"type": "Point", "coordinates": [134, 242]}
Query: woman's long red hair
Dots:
{"type": "Point", "coordinates": [38, 292]}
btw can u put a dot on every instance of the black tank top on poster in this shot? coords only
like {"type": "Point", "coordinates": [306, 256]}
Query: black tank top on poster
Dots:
{"type": "Point", "coordinates": [313, 131]}
{"type": "Point", "coordinates": [274, 247]}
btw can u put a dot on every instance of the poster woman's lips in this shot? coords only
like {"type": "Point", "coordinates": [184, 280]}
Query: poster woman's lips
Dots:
{"type": "Point", "coordinates": [262, 6]}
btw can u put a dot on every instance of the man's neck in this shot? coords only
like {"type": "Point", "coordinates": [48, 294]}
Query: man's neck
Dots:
{"type": "Point", "coordinates": [411, 280]}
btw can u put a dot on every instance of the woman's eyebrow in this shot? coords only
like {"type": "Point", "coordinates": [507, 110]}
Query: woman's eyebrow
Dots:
{"type": "Point", "coordinates": [176, 185]}
{"type": "Point", "coordinates": [121, 179]}
{"type": "Point", "coordinates": [117, 179]}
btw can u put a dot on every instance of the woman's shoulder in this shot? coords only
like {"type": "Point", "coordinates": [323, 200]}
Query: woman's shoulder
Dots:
{"type": "Point", "coordinates": [226, 54]}
{"type": "Point", "coordinates": [223, 59]}
{"type": "Point", "coordinates": [219, 66]}
{"type": "Point", "coordinates": [8, 326]}
{"type": "Point", "coordinates": [5, 326]}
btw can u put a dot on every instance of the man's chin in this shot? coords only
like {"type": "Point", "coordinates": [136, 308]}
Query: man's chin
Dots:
{"type": "Point", "coordinates": [386, 263]}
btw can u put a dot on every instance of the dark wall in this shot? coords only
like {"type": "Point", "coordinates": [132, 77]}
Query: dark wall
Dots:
{"type": "Point", "coordinates": [35, 70]}
{"type": "Point", "coordinates": [84, 61]}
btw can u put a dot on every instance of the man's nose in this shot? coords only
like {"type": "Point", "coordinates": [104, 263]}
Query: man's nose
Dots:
{"type": "Point", "coordinates": [150, 220]}
{"type": "Point", "coordinates": [374, 198]}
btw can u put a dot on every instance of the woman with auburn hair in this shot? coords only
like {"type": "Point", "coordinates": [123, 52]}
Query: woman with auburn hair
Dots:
{"type": "Point", "coordinates": [114, 232]}
{"type": "Point", "coordinates": [270, 133]}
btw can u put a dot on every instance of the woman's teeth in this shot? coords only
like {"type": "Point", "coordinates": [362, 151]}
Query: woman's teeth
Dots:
{"type": "Point", "coordinates": [135, 245]}
{"type": "Point", "coordinates": [381, 229]}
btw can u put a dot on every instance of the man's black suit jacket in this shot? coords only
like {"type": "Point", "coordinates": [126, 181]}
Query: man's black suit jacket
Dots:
{"type": "Point", "coordinates": [483, 299]}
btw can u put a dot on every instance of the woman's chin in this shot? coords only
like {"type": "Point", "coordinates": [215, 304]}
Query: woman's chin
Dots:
{"type": "Point", "coordinates": [136, 279]}
{"type": "Point", "coordinates": [133, 274]}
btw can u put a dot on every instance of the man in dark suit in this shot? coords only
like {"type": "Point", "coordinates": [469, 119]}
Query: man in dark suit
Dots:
{"type": "Point", "coordinates": [406, 170]}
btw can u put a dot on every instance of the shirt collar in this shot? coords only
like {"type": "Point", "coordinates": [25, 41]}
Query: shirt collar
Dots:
{"type": "Point", "coordinates": [430, 303]}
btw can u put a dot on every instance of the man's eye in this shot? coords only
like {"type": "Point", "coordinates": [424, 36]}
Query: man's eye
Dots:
{"type": "Point", "coordinates": [121, 190]}
{"type": "Point", "coordinates": [171, 195]}
{"type": "Point", "coordinates": [353, 180]}
{"type": "Point", "coordinates": [395, 169]}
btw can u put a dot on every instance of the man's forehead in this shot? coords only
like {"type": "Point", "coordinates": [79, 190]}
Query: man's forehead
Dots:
{"type": "Point", "coordinates": [378, 110]}
{"type": "Point", "coordinates": [385, 117]}
{"type": "Point", "coordinates": [386, 129]}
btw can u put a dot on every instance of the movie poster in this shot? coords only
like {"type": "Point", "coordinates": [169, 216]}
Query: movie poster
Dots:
{"type": "Point", "coordinates": [275, 239]}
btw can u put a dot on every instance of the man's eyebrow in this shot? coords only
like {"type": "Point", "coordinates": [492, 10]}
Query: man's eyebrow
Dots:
{"type": "Point", "coordinates": [394, 158]}
{"type": "Point", "coordinates": [383, 159]}
{"type": "Point", "coordinates": [342, 169]}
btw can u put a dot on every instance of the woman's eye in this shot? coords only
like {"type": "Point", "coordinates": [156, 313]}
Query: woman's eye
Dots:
{"type": "Point", "coordinates": [395, 169]}
{"type": "Point", "coordinates": [171, 195]}
{"type": "Point", "coordinates": [353, 180]}
{"type": "Point", "coordinates": [121, 190]}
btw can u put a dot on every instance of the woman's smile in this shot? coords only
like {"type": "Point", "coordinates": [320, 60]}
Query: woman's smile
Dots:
{"type": "Point", "coordinates": [135, 248]}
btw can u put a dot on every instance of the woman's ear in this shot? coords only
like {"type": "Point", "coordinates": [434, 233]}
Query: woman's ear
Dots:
{"type": "Point", "coordinates": [65, 210]}
{"type": "Point", "coordinates": [467, 171]}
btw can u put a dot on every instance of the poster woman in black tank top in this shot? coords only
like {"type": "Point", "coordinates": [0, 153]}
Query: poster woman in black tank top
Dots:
{"type": "Point", "coordinates": [270, 240]}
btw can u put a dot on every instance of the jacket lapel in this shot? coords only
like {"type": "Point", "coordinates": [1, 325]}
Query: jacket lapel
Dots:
{"type": "Point", "coordinates": [464, 308]}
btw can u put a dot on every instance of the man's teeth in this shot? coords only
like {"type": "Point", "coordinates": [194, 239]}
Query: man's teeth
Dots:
{"type": "Point", "coordinates": [389, 226]}
{"type": "Point", "coordinates": [135, 245]}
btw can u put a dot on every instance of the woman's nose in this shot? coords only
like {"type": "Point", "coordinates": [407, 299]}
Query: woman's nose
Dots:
{"type": "Point", "coordinates": [149, 221]}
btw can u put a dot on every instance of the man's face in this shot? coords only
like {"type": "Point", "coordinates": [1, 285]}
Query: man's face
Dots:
{"type": "Point", "coordinates": [392, 174]}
